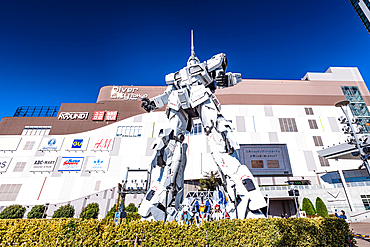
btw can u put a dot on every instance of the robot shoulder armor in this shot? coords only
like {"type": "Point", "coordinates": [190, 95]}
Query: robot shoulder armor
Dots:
{"type": "Point", "coordinates": [216, 61]}
{"type": "Point", "coordinates": [172, 77]}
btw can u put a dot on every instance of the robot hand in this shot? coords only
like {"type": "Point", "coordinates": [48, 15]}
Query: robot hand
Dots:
{"type": "Point", "coordinates": [148, 105]}
{"type": "Point", "coordinates": [222, 79]}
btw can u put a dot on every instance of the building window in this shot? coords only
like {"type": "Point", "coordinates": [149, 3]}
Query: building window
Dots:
{"type": "Point", "coordinates": [366, 201]}
{"type": "Point", "coordinates": [288, 125]}
{"type": "Point", "coordinates": [196, 130]}
{"type": "Point", "coordinates": [29, 145]}
{"type": "Point", "coordinates": [129, 131]}
{"type": "Point", "coordinates": [308, 110]}
{"type": "Point", "coordinates": [312, 123]}
{"type": "Point", "coordinates": [36, 130]}
{"type": "Point", "coordinates": [318, 141]}
{"type": "Point", "coordinates": [9, 192]}
{"type": "Point", "coordinates": [19, 166]}
{"type": "Point", "coordinates": [323, 161]}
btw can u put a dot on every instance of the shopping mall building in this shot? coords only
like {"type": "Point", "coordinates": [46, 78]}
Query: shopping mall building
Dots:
{"type": "Point", "coordinates": [78, 153]}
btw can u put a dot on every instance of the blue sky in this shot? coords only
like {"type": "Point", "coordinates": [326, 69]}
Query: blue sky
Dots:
{"type": "Point", "coordinates": [54, 52]}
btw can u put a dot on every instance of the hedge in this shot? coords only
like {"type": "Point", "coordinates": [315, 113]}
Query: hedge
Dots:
{"type": "Point", "coordinates": [252, 232]}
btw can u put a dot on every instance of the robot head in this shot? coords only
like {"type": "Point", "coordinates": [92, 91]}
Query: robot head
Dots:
{"type": "Point", "coordinates": [192, 59]}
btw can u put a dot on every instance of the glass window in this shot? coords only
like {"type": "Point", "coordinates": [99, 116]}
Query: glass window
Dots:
{"type": "Point", "coordinates": [312, 123]}
{"type": "Point", "coordinates": [323, 161]}
{"type": "Point", "coordinates": [288, 125]}
{"type": "Point", "coordinates": [308, 110]}
{"type": "Point", "coordinates": [366, 201]}
{"type": "Point", "coordinates": [318, 141]}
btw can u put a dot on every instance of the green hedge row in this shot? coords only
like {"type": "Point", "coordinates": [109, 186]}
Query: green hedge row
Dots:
{"type": "Point", "coordinates": [252, 232]}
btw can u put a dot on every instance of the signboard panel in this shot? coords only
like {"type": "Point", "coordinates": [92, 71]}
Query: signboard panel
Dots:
{"type": "Point", "coordinates": [73, 116]}
{"type": "Point", "coordinates": [127, 93]}
{"type": "Point", "coordinates": [51, 143]}
{"type": "Point", "coordinates": [266, 159]}
{"type": "Point", "coordinates": [98, 116]}
{"type": "Point", "coordinates": [71, 164]}
{"type": "Point", "coordinates": [102, 144]}
{"type": "Point", "coordinates": [98, 164]}
{"type": "Point", "coordinates": [77, 144]}
{"type": "Point", "coordinates": [111, 116]}
{"type": "Point", "coordinates": [4, 163]}
{"type": "Point", "coordinates": [43, 164]}
{"type": "Point", "coordinates": [9, 143]}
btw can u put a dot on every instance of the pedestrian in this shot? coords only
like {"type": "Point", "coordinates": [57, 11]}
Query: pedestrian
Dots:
{"type": "Point", "coordinates": [342, 214]}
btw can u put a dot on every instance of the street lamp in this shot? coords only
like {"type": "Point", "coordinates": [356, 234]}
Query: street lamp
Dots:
{"type": "Point", "coordinates": [353, 138]}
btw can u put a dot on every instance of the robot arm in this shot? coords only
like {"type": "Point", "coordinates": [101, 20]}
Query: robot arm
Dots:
{"type": "Point", "coordinates": [217, 66]}
{"type": "Point", "coordinates": [157, 102]}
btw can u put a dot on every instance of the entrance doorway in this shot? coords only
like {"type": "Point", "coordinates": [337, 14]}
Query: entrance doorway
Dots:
{"type": "Point", "coordinates": [282, 206]}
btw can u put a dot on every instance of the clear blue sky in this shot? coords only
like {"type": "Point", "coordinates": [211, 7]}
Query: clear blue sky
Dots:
{"type": "Point", "coordinates": [54, 52]}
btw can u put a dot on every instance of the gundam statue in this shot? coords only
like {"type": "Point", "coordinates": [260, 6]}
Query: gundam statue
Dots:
{"type": "Point", "coordinates": [190, 95]}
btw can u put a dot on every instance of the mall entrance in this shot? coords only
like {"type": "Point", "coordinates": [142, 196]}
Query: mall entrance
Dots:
{"type": "Point", "coordinates": [279, 206]}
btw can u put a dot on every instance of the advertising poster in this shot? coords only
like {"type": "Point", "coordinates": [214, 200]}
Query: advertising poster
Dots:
{"type": "Point", "coordinates": [51, 144]}
{"type": "Point", "coordinates": [9, 144]}
{"type": "Point", "coordinates": [102, 144]}
{"type": "Point", "coordinates": [98, 164]}
{"type": "Point", "coordinates": [4, 163]}
{"type": "Point", "coordinates": [77, 144]}
{"type": "Point", "coordinates": [43, 164]}
{"type": "Point", "coordinates": [71, 164]}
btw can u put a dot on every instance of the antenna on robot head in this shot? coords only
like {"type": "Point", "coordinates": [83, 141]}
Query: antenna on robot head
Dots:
{"type": "Point", "coordinates": [192, 59]}
{"type": "Point", "coordinates": [192, 44]}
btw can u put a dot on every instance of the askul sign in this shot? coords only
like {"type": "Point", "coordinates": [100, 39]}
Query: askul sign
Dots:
{"type": "Point", "coordinates": [98, 164]}
{"type": "Point", "coordinates": [4, 164]}
{"type": "Point", "coordinates": [77, 144]}
{"type": "Point", "coordinates": [71, 164]}
{"type": "Point", "coordinates": [51, 143]}
{"type": "Point", "coordinates": [126, 93]}
{"type": "Point", "coordinates": [43, 164]}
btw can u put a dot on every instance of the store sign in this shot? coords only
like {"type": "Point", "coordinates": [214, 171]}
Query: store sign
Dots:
{"type": "Point", "coordinates": [43, 164]}
{"type": "Point", "coordinates": [98, 116]}
{"type": "Point", "coordinates": [111, 116]}
{"type": "Point", "coordinates": [102, 144]}
{"type": "Point", "coordinates": [9, 143]}
{"type": "Point", "coordinates": [77, 144]}
{"type": "Point", "coordinates": [4, 164]}
{"type": "Point", "coordinates": [73, 116]}
{"type": "Point", "coordinates": [126, 93]}
{"type": "Point", "coordinates": [71, 164]}
{"type": "Point", "coordinates": [98, 164]}
{"type": "Point", "coordinates": [51, 144]}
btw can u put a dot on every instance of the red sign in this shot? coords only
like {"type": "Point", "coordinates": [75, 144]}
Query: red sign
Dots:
{"type": "Point", "coordinates": [98, 115]}
{"type": "Point", "coordinates": [111, 116]}
{"type": "Point", "coordinates": [103, 144]}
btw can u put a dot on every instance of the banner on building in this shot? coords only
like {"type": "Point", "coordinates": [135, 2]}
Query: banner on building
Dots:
{"type": "Point", "coordinates": [71, 164]}
{"type": "Point", "coordinates": [111, 116]}
{"type": "Point", "coordinates": [51, 144]}
{"type": "Point", "coordinates": [9, 143]}
{"type": "Point", "coordinates": [77, 144]}
{"type": "Point", "coordinates": [97, 164]}
{"type": "Point", "coordinates": [4, 163]}
{"type": "Point", "coordinates": [98, 116]}
{"type": "Point", "coordinates": [43, 164]}
{"type": "Point", "coordinates": [102, 144]}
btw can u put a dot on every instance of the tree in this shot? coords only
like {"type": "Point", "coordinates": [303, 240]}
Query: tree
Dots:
{"type": "Point", "coordinates": [321, 208]}
{"type": "Point", "coordinates": [91, 211]}
{"type": "Point", "coordinates": [13, 212]}
{"type": "Point", "coordinates": [210, 181]}
{"type": "Point", "coordinates": [131, 208]}
{"type": "Point", "coordinates": [66, 211]}
{"type": "Point", "coordinates": [308, 206]}
{"type": "Point", "coordinates": [111, 212]}
{"type": "Point", "coordinates": [37, 212]}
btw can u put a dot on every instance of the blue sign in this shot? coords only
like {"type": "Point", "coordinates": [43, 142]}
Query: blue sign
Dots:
{"type": "Point", "coordinates": [52, 142]}
{"type": "Point", "coordinates": [77, 143]}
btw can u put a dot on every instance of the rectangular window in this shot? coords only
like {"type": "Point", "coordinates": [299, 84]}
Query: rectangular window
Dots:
{"type": "Point", "coordinates": [19, 166]}
{"type": "Point", "coordinates": [288, 125]}
{"type": "Point", "coordinates": [29, 145]}
{"type": "Point", "coordinates": [97, 185]}
{"type": "Point", "coordinates": [318, 141]}
{"type": "Point", "coordinates": [196, 130]}
{"type": "Point", "coordinates": [308, 110]}
{"type": "Point", "coordinates": [36, 130]}
{"type": "Point", "coordinates": [366, 201]}
{"type": "Point", "coordinates": [312, 123]}
{"type": "Point", "coordinates": [129, 131]}
{"type": "Point", "coordinates": [323, 161]}
{"type": "Point", "coordinates": [9, 192]}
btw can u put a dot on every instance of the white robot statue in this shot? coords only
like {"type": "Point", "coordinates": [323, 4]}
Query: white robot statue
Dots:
{"type": "Point", "coordinates": [190, 95]}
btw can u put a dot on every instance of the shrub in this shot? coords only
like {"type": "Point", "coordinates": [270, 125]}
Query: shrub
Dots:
{"type": "Point", "coordinates": [91, 211]}
{"type": "Point", "coordinates": [13, 212]}
{"type": "Point", "coordinates": [130, 208]}
{"type": "Point", "coordinates": [37, 212]}
{"type": "Point", "coordinates": [110, 213]}
{"type": "Point", "coordinates": [66, 211]}
{"type": "Point", "coordinates": [308, 206]}
{"type": "Point", "coordinates": [321, 208]}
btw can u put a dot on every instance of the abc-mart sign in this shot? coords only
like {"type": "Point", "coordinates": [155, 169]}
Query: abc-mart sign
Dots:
{"type": "Point", "coordinates": [71, 164]}
{"type": "Point", "coordinates": [43, 164]}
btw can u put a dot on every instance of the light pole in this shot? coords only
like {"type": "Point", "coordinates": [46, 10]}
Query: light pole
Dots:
{"type": "Point", "coordinates": [353, 138]}
{"type": "Point", "coordinates": [46, 208]}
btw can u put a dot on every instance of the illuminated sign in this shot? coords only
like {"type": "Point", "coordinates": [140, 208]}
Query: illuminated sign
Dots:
{"type": "Point", "coordinates": [51, 144]}
{"type": "Point", "coordinates": [43, 164]}
{"type": "Point", "coordinates": [97, 164]}
{"type": "Point", "coordinates": [98, 115]}
{"type": "Point", "coordinates": [4, 163]}
{"type": "Point", "coordinates": [111, 116]}
{"type": "Point", "coordinates": [71, 164]}
{"type": "Point", "coordinates": [126, 93]}
{"type": "Point", "coordinates": [73, 116]}
{"type": "Point", "coordinates": [103, 144]}
{"type": "Point", "coordinates": [266, 159]}
{"type": "Point", "coordinates": [9, 143]}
